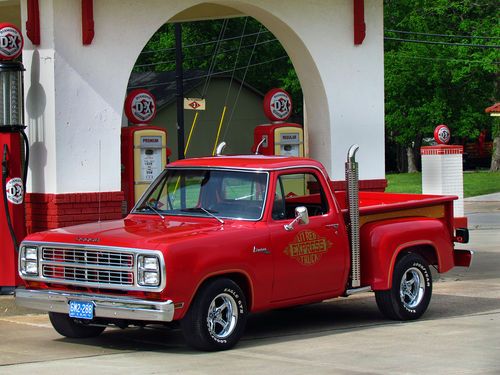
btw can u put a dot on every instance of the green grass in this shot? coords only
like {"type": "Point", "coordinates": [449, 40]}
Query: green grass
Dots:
{"type": "Point", "coordinates": [475, 183]}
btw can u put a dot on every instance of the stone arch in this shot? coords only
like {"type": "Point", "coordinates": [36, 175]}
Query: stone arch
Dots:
{"type": "Point", "coordinates": [315, 96]}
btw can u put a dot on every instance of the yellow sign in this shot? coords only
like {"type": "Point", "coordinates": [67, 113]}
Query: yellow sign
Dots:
{"type": "Point", "coordinates": [307, 248]}
{"type": "Point", "coordinates": [194, 104]}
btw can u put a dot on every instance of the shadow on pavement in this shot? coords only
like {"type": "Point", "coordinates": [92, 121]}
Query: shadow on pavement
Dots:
{"type": "Point", "coordinates": [317, 320]}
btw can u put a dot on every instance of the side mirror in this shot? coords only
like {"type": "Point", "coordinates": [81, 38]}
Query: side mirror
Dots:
{"type": "Point", "coordinates": [301, 217]}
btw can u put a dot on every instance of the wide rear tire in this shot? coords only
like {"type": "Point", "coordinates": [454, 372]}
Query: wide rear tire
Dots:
{"type": "Point", "coordinates": [69, 327]}
{"type": "Point", "coordinates": [411, 289]}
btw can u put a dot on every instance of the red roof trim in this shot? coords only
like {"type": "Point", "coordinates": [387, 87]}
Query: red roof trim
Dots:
{"type": "Point", "coordinates": [495, 108]}
{"type": "Point", "coordinates": [442, 150]}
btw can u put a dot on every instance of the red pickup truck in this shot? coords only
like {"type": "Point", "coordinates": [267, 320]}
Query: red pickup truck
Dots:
{"type": "Point", "coordinates": [216, 238]}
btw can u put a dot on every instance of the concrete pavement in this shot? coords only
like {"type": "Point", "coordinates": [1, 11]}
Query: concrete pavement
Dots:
{"type": "Point", "coordinates": [459, 334]}
{"type": "Point", "coordinates": [483, 211]}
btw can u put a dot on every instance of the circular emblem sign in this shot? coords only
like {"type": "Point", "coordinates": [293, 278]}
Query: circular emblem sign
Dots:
{"type": "Point", "coordinates": [442, 134]}
{"type": "Point", "coordinates": [11, 41]}
{"type": "Point", "coordinates": [140, 106]}
{"type": "Point", "coordinates": [15, 190]}
{"type": "Point", "coordinates": [277, 105]}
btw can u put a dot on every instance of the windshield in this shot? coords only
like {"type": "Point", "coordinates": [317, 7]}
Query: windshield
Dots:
{"type": "Point", "coordinates": [206, 192]}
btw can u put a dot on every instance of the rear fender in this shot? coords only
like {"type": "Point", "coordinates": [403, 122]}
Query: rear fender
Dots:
{"type": "Point", "coordinates": [383, 241]}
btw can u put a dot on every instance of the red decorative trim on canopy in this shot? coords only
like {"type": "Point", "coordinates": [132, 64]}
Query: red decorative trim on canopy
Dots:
{"type": "Point", "coordinates": [359, 21]}
{"type": "Point", "coordinates": [87, 21]}
{"type": "Point", "coordinates": [33, 22]}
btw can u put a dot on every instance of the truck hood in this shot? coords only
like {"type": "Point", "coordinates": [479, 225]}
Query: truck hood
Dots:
{"type": "Point", "coordinates": [138, 231]}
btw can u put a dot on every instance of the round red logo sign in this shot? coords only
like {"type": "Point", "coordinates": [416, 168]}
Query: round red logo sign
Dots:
{"type": "Point", "coordinates": [11, 41]}
{"type": "Point", "coordinates": [442, 134]}
{"type": "Point", "coordinates": [15, 190]}
{"type": "Point", "coordinates": [140, 106]}
{"type": "Point", "coordinates": [277, 105]}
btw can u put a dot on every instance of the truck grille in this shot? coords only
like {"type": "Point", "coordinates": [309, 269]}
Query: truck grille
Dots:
{"type": "Point", "coordinates": [92, 267]}
{"type": "Point", "coordinates": [88, 275]}
{"type": "Point", "coordinates": [84, 256]}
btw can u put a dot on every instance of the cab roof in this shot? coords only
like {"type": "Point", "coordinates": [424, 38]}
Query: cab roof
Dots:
{"type": "Point", "coordinates": [258, 162]}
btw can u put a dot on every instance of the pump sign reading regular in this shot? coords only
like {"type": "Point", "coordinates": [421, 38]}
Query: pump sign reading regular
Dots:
{"type": "Point", "coordinates": [289, 144]}
{"type": "Point", "coordinates": [11, 41]}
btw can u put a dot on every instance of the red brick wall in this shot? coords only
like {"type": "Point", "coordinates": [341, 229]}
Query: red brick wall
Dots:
{"type": "Point", "coordinates": [49, 211]}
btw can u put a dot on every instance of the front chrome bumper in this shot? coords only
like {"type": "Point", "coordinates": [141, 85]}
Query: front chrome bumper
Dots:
{"type": "Point", "coordinates": [105, 306]}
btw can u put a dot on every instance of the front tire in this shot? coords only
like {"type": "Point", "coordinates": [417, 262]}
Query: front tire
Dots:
{"type": "Point", "coordinates": [69, 327]}
{"type": "Point", "coordinates": [217, 317]}
{"type": "Point", "coordinates": [411, 289]}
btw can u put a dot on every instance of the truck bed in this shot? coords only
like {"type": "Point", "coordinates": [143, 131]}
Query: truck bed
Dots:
{"type": "Point", "coordinates": [375, 206]}
{"type": "Point", "coordinates": [375, 202]}
{"type": "Point", "coordinates": [380, 206]}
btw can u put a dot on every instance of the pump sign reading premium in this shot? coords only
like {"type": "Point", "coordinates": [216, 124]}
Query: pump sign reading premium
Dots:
{"type": "Point", "coordinates": [151, 148]}
{"type": "Point", "coordinates": [11, 42]}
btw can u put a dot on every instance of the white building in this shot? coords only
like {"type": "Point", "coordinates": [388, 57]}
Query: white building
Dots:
{"type": "Point", "coordinates": [75, 92]}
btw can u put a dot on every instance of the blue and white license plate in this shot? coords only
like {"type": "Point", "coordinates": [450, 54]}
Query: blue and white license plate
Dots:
{"type": "Point", "coordinates": [81, 310]}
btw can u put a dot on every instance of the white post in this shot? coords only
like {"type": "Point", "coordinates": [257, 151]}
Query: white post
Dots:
{"type": "Point", "coordinates": [442, 173]}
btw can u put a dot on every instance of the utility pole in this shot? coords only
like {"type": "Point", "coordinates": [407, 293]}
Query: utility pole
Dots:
{"type": "Point", "coordinates": [179, 79]}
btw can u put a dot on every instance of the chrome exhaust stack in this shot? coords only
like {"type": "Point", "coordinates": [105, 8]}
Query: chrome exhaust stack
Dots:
{"type": "Point", "coordinates": [352, 198]}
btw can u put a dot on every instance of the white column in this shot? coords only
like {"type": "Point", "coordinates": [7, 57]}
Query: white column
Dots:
{"type": "Point", "coordinates": [442, 173]}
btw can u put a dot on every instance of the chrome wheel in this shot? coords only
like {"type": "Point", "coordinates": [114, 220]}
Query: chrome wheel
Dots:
{"type": "Point", "coordinates": [412, 288]}
{"type": "Point", "coordinates": [222, 316]}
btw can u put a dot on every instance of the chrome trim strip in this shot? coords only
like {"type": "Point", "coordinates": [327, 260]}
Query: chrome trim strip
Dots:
{"type": "Point", "coordinates": [244, 169]}
{"type": "Point", "coordinates": [134, 270]}
{"type": "Point", "coordinates": [105, 306]}
{"type": "Point", "coordinates": [350, 292]}
{"type": "Point", "coordinates": [87, 266]}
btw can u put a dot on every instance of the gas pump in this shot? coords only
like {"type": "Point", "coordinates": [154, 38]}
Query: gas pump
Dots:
{"type": "Point", "coordinates": [143, 147]}
{"type": "Point", "coordinates": [144, 156]}
{"type": "Point", "coordinates": [280, 137]}
{"type": "Point", "coordinates": [12, 219]}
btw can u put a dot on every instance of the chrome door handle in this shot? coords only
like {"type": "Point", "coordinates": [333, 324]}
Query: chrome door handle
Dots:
{"type": "Point", "coordinates": [335, 226]}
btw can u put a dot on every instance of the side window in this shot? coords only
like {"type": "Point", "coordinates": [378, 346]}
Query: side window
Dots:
{"type": "Point", "coordinates": [279, 212]}
{"type": "Point", "coordinates": [298, 189]}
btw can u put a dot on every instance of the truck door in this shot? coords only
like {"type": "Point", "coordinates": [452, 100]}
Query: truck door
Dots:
{"type": "Point", "coordinates": [311, 258]}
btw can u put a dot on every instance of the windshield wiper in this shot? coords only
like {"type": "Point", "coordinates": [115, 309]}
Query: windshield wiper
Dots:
{"type": "Point", "coordinates": [198, 209]}
{"type": "Point", "coordinates": [150, 206]}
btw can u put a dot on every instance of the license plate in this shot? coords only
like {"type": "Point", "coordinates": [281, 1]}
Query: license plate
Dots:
{"type": "Point", "coordinates": [81, 310]}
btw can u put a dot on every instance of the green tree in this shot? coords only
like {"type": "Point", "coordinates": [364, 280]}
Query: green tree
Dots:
{"type": "Point", "coordinates": [269, 67]}
{"type": "Point", "coordinates": [430, 84]}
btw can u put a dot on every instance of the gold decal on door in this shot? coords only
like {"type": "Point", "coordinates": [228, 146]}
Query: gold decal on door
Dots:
{"type": "Point", "coordinates": [307, 248]}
